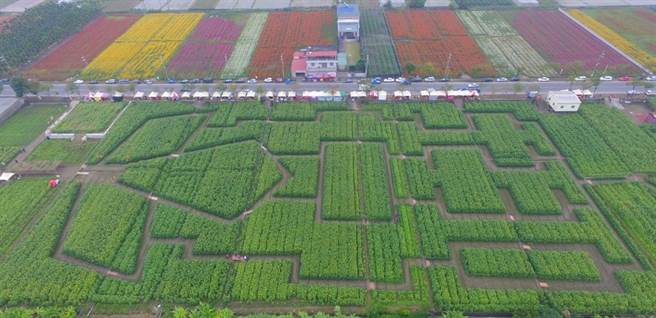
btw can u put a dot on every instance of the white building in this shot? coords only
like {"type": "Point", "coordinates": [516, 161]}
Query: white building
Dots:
{"type": "Point", "coordinates": [348, 21]}
{"type": "Point", "coordinates": [563, 101]}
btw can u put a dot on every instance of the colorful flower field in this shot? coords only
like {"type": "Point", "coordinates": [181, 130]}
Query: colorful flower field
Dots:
{"type": "Point", "coordinates": [640, 27]}
{"type": "Point", "coordinates": [245, 46]}
{"type": "Point", "coordinates": [73, 55]}
{"type": "Point", "coordinates": [508, 52]}
{"type": "Point", "coordinates": [207, 49]}
{"type": "Point", "coordinates": [561, 41]}
{"type": "Point", "coordinates": [426, 38]}
{"type": "Point", "coordinates": [285, 32]}
{"type": "Point", "coordinates": [144, 50]}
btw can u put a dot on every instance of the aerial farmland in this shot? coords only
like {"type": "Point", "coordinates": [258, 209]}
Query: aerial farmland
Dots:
{"type": "Point", "coordinates": [176, 158]}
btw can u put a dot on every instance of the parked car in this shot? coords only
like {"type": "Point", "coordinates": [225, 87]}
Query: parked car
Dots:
{"type": "Point", "coordinates": [172, 81]}
{"type": "Point", "coordinates": [472, 85]}
{"type": "Point", "coordinates": [227, 81]}
{"type": "Point", "coordinates": [137, 81]}
{"type": "Point", "coordinates": [501, 79]}
{"type": "Point", "coordinates": [148, 82]}
{"type": "Point", "coordinates": [279, 80]}
{"type": "Point", "coordinates": [429, 79]}
{"type": "Point", "coordinates": [376, 81]}
{"type": "Point", "coordinates": [417, 79]}
{"type": "Point", "coordinates": [388, 80]}
{"type": "Point", "coordinates": [78, 82]}
{"type": "Point", "coordinates": [268, 80]}
{"type": "Point", "coordinates": [124, 81]}
{"type": "Point", "coordinates": [651, 78]}
{"type": "Point", "coordinates": [606, 78]}
{"type": "Point", "coordinates": [241, 81]}
{"type": "Point", "coordinates": [487, 80]}
{"type": "Point", "coordinates": [649, 92]}
{"type": "Point", "coordinates": [195, 80]}
{"type": "Point", "coordinates": [581, 78]}
{"type": "Point", "coordinates": [624, 78]}
{"type": "Point", "coordinates": [400, 79]}
{"type": "Point", "coordinates": [183, 81]}
{"type": "Point", "coordinates": [406, 82]}
{"type": "Point", "coordinates": [445, 79]}
{"type": "Point", "coordinates": [515, 78]}
{"type": "Point", "coordinates": [348, 81]}
{"type": "Point", "coordinates": [252, 81]}
{"type": "Point", "coordinates": [110, 81]}
{"type": "Point", "coordinates": [93, 82]}
{"type": "Point", "coordinates": [543, 79]}
{"type": "Point", "coordinates": [208, 80]}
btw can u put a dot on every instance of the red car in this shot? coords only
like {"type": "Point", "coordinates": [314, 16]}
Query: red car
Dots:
{"type": "Point", "coordinates": [624, 78]}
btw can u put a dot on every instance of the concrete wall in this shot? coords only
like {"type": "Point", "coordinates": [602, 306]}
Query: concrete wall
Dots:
{"type": "Point", "coordinates": [8, 106]}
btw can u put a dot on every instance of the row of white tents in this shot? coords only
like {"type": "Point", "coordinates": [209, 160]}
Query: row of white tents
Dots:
{"type": "Point", "coordinates": [332, 95]}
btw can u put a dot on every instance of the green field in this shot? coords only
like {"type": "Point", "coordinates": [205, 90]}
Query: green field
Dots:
{"type": "Point", "coordinates": [392, 208]}
{"type": "Point", "coordinates": [21, 128]}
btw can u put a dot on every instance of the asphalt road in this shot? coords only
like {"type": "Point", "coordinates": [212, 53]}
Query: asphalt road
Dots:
{"type": "Point", "coordinates": [491, 88]}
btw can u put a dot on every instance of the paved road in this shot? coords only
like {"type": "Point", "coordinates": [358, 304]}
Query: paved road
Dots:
{"type": "Point", "coordinates": [492, 88]}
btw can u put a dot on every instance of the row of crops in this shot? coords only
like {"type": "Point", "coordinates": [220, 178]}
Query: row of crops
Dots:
{"type": "Point", "coordinates": [383, 211]}
{"type": "Point", "coordinates": [426, 42]}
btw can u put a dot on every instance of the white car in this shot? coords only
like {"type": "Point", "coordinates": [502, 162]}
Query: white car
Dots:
{"type": "Point", "coordinates": [79, 82]}
{"type": "Point", "coordinates": [543, 79]}
{"type": "Point", "coordinates": [581, 78]}
{"type": "Point", "coordinates": [501, 79]}
{"type": "Point", "coordinates": [400, 79]}
{"type": "Point", "coordinates": [388, 80]}
{"type": "Point", "coordinates": [606, 78]}
{"type": "Point", "coordinates": [651, 78]}
{"type": "Point", "coordinates": [252, 81]}
{"type": "Point", "coordinates": [268, 80]}
{"type": "Point", "coordinates": [472, 85]}
{"type": "Point", "coordinates": [649, 92]}
{"type": "Point", "coordinates": [429, 79]}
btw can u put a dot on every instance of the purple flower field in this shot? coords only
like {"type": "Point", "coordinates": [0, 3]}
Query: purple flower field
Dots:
{"type": "Point", "coordinates": [206, 50]}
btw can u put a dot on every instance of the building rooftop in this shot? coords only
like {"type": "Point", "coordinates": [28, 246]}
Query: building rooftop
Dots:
{"type": "Point", "coordinates": [348, 11]}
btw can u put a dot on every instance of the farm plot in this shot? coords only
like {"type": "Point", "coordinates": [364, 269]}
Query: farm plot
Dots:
{"type": "Point", "coordinates": [434, 42]}
{"type": "Point", "coordinates": [508, 52]}
{"type": "Point", "coordinates": [634, 24]}
{"type": "Point", "coordinates": [561, 41]}
{"type": "Point", "coordinates": [246, 187]}
{"type": "Point", "coordinates": [646, 58]}
{"type": "Point", "coordinates": [108, 228]}
{"type": "Point", "coordinates": [285, 32]}
{"type": "Point", "coordinates": [207, 49]}
{"type": "Point", "coordinates": [377, 44]}
{"type": "Point", "coordinates": [21, 128]}
{"type": "Point", "coordinates": [245, 46]}
{"type": "Point", "coordinates": [18, 202]}
{"type": "Point", "coordinates": [145, 48]}
{"type": "Point", "coordinates": [89, 118]}
{"type": "Point", "coordinates": [64, 151]}
{"type": "Point", "coordinates": [75, 53]}
{"type": "Point", "coordinates": [630, 208]}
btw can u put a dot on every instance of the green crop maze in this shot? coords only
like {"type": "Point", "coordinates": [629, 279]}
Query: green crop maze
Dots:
{"type": "Point", "coordinates": [490, 207]}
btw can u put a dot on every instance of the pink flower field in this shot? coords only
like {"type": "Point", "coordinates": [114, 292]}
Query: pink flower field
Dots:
{"type": "Point", "coordinates": [563, 42]}
{"type": "Point", "coordinates": [207, 49]}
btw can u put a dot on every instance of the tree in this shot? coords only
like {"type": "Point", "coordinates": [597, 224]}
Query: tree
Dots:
{"type": "Point", "coordinates": [410, 68]}
{"type": "Point", "coordinates": [21, 86]}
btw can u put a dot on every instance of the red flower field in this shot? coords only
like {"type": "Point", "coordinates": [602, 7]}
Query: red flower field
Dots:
{"type": "Point", "coordinates": [74, 53]}
{"type": "Point", "coordinates": [425, 38]}
{"type": "Point", "coordinates": [562, 41]}
{"type": "Point", "coordinates": [285, 32]}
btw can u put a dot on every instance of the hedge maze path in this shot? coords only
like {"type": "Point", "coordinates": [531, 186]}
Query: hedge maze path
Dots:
{"type": "Point", "coordinates": [364, 222]}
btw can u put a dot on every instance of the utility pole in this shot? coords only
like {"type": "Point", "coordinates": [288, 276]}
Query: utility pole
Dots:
{"type": "Point", "coordinates": [448, 64]}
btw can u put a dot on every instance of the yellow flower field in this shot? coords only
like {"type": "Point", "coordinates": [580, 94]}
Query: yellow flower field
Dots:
{"type": "Point", "coordinates": [143, 51]}
{"type": "Point", "coordinates": [644, 58]}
